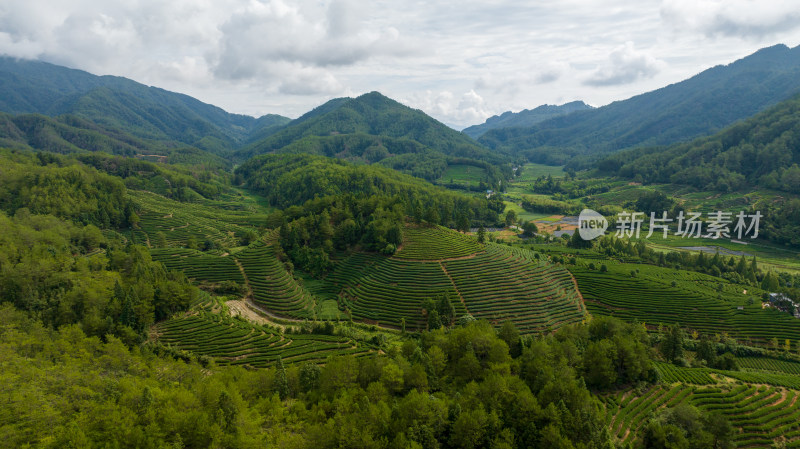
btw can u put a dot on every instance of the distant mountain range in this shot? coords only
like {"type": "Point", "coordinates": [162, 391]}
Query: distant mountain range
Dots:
{"type": "Point", "coordinates": [59, 109]}
{"type": "Point", "coordinates": [373, 114]}
{"type": "Point", "coordinates": [114, 102]}
{"type": "Point", "coordinates": [525, 118]}
{"type": "Point", "coordinates": [698, 106]}
{"type": "Point", "coordinates": [763, 150]}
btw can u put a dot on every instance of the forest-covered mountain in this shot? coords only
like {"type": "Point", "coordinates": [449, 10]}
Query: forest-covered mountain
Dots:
{"type": "Point", "coordinates": [701, 105]}
{"type": "Point", "coordinates": [761, 151]}
{"type": "Point", "coordinates": [116, 102]}
{"type": "Point", "coordinates": [74, 134]}
{"type": "Point", "coordinates": [374, 128]}
{"type": "Point", "coordinates": [525, 117]}
{"type": "Point", "coordinates": [53, 108]}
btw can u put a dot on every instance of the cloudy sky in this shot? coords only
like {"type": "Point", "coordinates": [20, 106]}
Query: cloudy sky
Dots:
{"type": "Point", "coordinates": [459, 61]}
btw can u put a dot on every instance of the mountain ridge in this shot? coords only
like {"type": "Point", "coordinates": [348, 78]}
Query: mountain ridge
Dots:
{"type": "Point", "coordinates": [149, 112]}
{"type": "Point", "coordinates": [700, 105]}
{"type": "Point", "coordinates": [525, 117]}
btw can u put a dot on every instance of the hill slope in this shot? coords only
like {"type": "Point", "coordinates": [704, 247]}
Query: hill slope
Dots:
{"type": "Point", "coordinates": [698, 106]}
{"type": "Point", "coordinates": [763, 150]}
{"type": "Point", "coordinates": [146, 112]}
{"type": "Point", "coordinates": [526, 117]}
{"type": "Point", "coordinates": [382, 128]}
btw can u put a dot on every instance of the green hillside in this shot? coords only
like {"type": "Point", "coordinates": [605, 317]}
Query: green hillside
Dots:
{"type": "Point", "coordinates": [119, 103]}
{"type": "Point", "coordinates": [698, 106]}
{"type": "Point", "coordinates": [373, 128]}
{"type": "Point", "coordinates": [761, 151]}
{"type": "Point", "coordinates": [525, 117]}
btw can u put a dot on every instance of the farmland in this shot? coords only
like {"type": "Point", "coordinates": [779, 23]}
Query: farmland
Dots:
{"type": "Point", "coordinates": [220, 222]}
{"type": "Point", "coordinates": [760, 414]}
{"type": "Point", "coordinates": [466, 175]}
{"type": "Point", "coordinates": [495, 283]}
{"type": "Point", "coordinates": [656, 295]}
{"type": "Point", "coordinates": [231, 341]}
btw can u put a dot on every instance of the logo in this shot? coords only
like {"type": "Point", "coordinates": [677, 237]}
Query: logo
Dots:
{"type": "Point", "coordinates": [591, 224]}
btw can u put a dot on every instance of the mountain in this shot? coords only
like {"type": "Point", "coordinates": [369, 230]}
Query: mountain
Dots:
{"type": "Point", "coordinates": [524, 118]}
{"type": "Point", "coordinates": [761, 151]}
{"type": "Point", "coordinates": [115, 102]}
{"type": "Point", "coordinates": [374, 128]}
{"type": "Point", "coordinates": [698, 106]}
{"type": "Point", "coordinates": [374, 114]}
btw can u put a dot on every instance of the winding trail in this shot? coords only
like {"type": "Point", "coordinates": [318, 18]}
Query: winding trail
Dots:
{"type": "Point", "coordinates": [460, 296]}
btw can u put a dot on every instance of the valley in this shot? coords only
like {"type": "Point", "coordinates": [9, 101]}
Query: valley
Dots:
{"type": "Point", "coordinates": [366, 276]}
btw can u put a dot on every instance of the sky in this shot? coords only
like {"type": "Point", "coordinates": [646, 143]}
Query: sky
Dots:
{"type": "Point", "coordinates": [459, 61]}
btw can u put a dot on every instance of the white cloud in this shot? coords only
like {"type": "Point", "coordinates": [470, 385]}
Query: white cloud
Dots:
{"type": "Point", "coordinates": [287, 56]}
{"type": "Point", "coordinates": [737, 18]}
{"type": "Point", "coordinates": [625, 65]}
{"type": "Point", "coordinates": [457, 111]}
{"type": "Point", "coordinates": [266, 33]}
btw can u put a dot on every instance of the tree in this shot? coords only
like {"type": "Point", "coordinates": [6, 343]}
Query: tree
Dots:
{"type": "Point", "coordinates": [462, 222]}
{"type": "Point", "coordinates": [529, 229]}
{"type": "Point", "coordinates": [706, 351]}
{"type": "Point", "coordinates": [134, 219]}
{"type": "Point", "coordinates": [228, 411]}
{"type": "Point", "coordinates": [510, 334]}
{"type": "Point", "coordinates": [432, 215]}
{"type": "Point", "coordinates": [309, 376]}
{"type": "Point", "coordinates": [770, 282]}
{"type": "Point", "coordinates": [434, 322]}
{"type": "Point", "coordinates": [598, 364]}
{"type": "Point", "coordinates": [672, 345]}
{"type": "Point", "coordinates": [447, 313]}
{"type": "Point", "coordinates": [481, 234]}
{"type": "Point", "coordinates": [281, 384]}
{"type": "Point", "coordinates": [511, 217]}
{"type": "Point", "coordinates": [161, 240]}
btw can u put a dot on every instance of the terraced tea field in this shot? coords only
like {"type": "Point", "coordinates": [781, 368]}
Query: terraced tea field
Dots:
{"type": "Point", "coordinates": [760, 414]}
{"type": "Point", "coordinates": [198, 265]}
{"type": "Point", "coordinates": [219, 221]}
{"type": "Point", "coordinates": [494, 282]}
{"type": "Point", "coordinates": [234, 342]}
{"type": "Point", "coordinates": [463, 174]}
{"type": "Point", "coordinates": [661, 295]}
{"type": "Point", "coordinates": [503, 283]}
{"type": "Point", "coordinates": [272, 286]}
{"type": "Point", "coordinates": [435, 243]}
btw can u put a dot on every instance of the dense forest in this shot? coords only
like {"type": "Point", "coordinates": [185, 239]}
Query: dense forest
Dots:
{"type": "Point", "coordinates": [375, 114]}
{"type": "Point", "coordinates": [467, 387]}
{"type": "Point", "coordinates": [119, 103]}
{"type": "Point", "coordinates": [330, 205]}
{"type": "Point", "coordinates": [758, 153]}
{"type": "Point", "coordinates": [402, 154]}
{"type": "Point", "coordinates": [761, 151]}
{"type": "Point", "coordinates": [701, 105]}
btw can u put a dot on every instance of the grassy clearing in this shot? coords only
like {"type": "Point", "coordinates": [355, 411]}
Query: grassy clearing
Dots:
{"type": "Point", "coordinates": [463, 174]}
{"type": "Point", "coordinates": [532, 171]}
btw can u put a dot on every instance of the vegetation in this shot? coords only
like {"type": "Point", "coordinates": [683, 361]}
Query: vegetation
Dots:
{"type": "Point", "coordinates": [525, 117]}
{"type": "Point", "coordinates": [725, 94]}
{"type": "Point", "coordinates": [317, 297]}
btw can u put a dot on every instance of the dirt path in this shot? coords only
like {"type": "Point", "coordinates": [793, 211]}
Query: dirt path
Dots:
{"type": "Point", "coordinates": [239, 307]}
{"type": "Point", "coordinates": [582, 305]}
{"type": "Point", "coordinates": [460, 297]}
{"type": "Point", "coordinates": [448, 259]}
